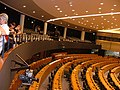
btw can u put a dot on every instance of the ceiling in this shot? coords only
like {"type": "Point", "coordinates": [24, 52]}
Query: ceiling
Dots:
{"type": "Point", "coordinates": [107, 11]}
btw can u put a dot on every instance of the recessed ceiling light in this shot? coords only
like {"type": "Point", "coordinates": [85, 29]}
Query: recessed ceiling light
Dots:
{"type": "Point", "coordinates": [87, 21]}
{"type": "Point", "coordinates": [85, 24]}
{"type": "Point", "coordinates": [71, 5]}
{"type": "Point", "coordinates": [76, 14]}
{"type": "Point", "coordinates": [73, 10]}
{"type": "Point", "coordinates": [86, 11]}
{"type": "Point", "coordinates": [65, 14]}
{"type": "Point", "coordinates": [24, 6]}
{"type": "Point", "coordinates": [102, 16]}
{"type": "Point", "coordinates": [99, 11]}
{"type": "Point", "coordinates": [91, 26]}
{"type": "Point", "coordinates": [73, 19]}
{"type": "Point", "coordinates": [82, 18]}
{"type": "Point", "coordinates": [75, 27]}
{"type": "Point", "coordinates": [42, 16]}
{"type": "Point", "coordinates": [111, 23]}
{"type": "Point", "coordinates": [115, 19]}
{"type": "Point", "coordinates": [60, 22]}
{"type": "Point", "coordinates": [83, 28]}
{"type": "Point", "coordinates": [96, 27]}
{"type": "Point", "coordinates": [102, 26]}
{"type": "Point", "coordinates": [112, 9]}
{"type": "Point", "coordinates": [111, 26]}
{"type": "Point", "coordinates": [99, 8]}
{"type": "Point", "coordinates": [104, 19]}
{"type": "Point", "coordinates": [101, 23]}
{"type": "Point", "coordinates": [93, 18]}
{"type": "Point", "coordinates": [91, 23]}
{"type": "Point", "coordinates": [101, 3]}
{"type": "Point", "coordinates": [68, 25]}
{"type": "Point", "coordinates": [81, 22]}
{"type": "Point", "coordinates": [33, 11]}
{"type": "Point", "coordinates": [114, 5]}
{"type": "Point", "coordinates": [5, 8]}
{"type": "Point", "coordinates": [60, 11]}
{"type": "Point", "coordinates": [56, 6]}
{"type": "Point", "coordinates": [116, 25]}
{"type": "Point", "coordinates": [108, 21]}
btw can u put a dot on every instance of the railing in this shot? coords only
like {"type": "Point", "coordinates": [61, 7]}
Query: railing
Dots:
{"type": "Point", "coordinates": [18, 39]}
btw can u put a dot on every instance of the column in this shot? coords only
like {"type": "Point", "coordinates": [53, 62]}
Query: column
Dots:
{"type": "Point", "coordinates": [45, 28]}
{"type": "Point", "coordinates": [83, 35]}
{"type": "Point", "coordinates": [65, 32]}
{"type": "Point", "coordinates": [22, 19]}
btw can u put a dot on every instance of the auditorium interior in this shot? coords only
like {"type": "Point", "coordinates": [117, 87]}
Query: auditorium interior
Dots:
{"type": "Point", "coordinates": [63, 45]}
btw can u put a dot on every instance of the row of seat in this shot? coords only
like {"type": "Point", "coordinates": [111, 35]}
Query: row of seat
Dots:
{"type": "Point", "coordinates": [114, 77]}
{"type": "Point", "coordinates": [16, 82]}
{"type": "Point", "coordinates": [91, 70]}
{"type": "Point", "coordinates": [102, 77]}
{"type": "Point", "coordinates": [81, 65]}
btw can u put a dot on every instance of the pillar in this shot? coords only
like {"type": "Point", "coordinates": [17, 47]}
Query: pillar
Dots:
{"type": "Point", "coordinates": [65, 32]}
{"type": "Point", "coordinates": [83, 35]}
{"type": "Point", "coordinates": [22, 19]}
{"type": "Point", "coordinates": [45, 28]}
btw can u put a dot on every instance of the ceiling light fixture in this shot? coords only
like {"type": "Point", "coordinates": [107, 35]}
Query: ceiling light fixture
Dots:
{"type": "Point", "coordinates": [33, 11]}
{"type": "Point", "coordinates": [73, 10]}
{"type": "Point", "coordinates": [24, 6]}
{"type": "Point", "coordinates": [42, 16]}
{"type": "Point", "coordinates": [83, 16]}
{"type": "Point", "coordinates": [115, 30]}
{"type": "Point", "coordinates": [101, 3]}
{"type": "Point", "coordinates": [56, 6]}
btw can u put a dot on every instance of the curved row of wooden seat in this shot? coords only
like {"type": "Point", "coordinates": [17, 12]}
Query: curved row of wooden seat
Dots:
{"type": "Point", "coordinates": [80, 61]}
{"type": "Point", "coordinates": [99, 61]}
{"type": "Point", "coordinates": [113, 75]}
{"type": "Point", "coordinates": [57, 82]}
{"type": "Point", "coordinates": [41, 74]}
{"type": "Point", "coordinates": [16, 82]}
{"type": "Point", "coordinates": [102, 77]}
{"type": "Point", "coordinates": [91, 70]}
{"type": "Point", "coordinates": [74, 76]}
{"type": "Point", "coordinates": [38, 63]}
{"type": "Point", "coordinates": [44, 72]}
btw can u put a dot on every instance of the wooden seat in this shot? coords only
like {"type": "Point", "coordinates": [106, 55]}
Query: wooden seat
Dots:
{"type": "Point", "coordinates": [102, 76]}
{"type": "Point", "coordinates": [113, 75]}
